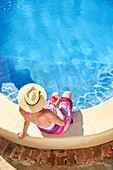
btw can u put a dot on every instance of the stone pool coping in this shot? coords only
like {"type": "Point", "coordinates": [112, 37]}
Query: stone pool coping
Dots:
{"type": "Point", "coordinates": [91, 127]}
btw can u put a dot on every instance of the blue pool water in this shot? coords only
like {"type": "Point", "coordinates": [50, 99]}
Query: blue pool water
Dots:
{"type": "Point", "coordinates": [61, 45]}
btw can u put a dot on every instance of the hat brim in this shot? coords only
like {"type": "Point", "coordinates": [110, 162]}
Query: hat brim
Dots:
{"type": "Point", "coordinates": [39, 105]}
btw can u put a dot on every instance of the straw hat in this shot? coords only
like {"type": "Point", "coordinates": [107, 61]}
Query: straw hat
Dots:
{"type": "Point", "coordinates": [32, 97]}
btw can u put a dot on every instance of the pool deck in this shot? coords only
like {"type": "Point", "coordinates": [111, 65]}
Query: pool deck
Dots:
{"type": "Point", "coordinates": [4, 165]}
{"type": "Point", "coordinates": [91, 127]}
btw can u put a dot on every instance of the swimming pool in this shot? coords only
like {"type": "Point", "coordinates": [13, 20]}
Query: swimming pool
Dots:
{"type": "Point", "coordinates": [61, 45]}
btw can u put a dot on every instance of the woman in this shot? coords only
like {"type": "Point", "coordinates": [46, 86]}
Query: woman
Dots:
{"type": "Point", "coordinates": [52, 117]}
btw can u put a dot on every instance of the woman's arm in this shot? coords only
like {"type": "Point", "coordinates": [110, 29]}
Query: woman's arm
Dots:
{"type": "Point", "coordinates": [57, 119]}
{"type": "Point", "coordinates": [59, 113]}
{"type": "Point", "coordinates": [23, 134]}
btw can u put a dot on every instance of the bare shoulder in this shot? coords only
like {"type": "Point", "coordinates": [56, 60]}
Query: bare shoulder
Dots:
{"type": "Point", "coordinates": [54, 118]}
{"type": "Point", "coordinates": [48, 112]}
{"type": "Point", "coordinates": [22, 111]}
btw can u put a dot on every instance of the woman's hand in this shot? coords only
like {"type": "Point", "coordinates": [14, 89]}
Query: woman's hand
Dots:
{"type": "Point", "coordinates": [55, 100]}
{"type": "Point", "coordinates": [57, 103]}
{"type": "Point", "coordinates": [21, 135]}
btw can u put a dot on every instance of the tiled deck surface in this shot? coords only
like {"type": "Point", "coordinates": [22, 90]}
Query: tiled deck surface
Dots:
{"type": "Point", "coordinates": [54, 158]}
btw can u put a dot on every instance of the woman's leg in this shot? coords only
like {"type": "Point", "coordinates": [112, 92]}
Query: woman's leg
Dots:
{"type": "Point", "coordinates": [56, 94]}
{"type": "Point", "coordinates": [67, 94]}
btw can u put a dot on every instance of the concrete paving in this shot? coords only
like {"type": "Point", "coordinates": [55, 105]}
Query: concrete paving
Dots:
{"type": "Point", "coordinates": [4, 165]}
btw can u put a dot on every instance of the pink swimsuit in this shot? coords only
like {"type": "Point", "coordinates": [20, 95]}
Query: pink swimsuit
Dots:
{"type": "Point", "coordinates": [66, 109]}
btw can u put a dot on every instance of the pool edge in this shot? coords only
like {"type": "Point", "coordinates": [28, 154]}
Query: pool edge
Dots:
{"type": "Point", "coordinates": [60, 143]}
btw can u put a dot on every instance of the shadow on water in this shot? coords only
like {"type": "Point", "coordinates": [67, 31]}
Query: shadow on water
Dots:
{"type": "Point", "coordinates": [10, 83]}
{"type": "Point", "coordinates": [19, 78]}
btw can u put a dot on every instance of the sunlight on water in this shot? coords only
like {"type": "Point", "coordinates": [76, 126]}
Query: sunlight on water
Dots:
{"type": "Point", "coordinates": [63, 45]}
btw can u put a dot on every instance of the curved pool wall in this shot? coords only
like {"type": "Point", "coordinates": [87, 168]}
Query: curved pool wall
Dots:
{"type": "Point", "coordinates": [91, 127]}
{"type": "Point", "coordinates": [74, 39]}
